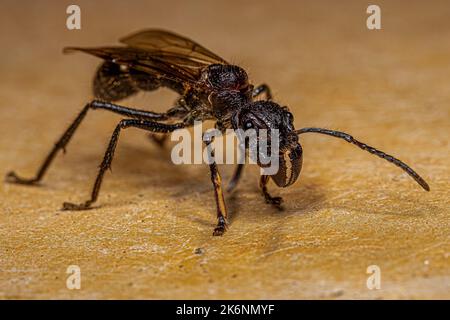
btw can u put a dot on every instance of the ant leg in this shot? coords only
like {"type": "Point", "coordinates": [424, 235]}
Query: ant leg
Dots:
{"type": "Point", "coordinates": [238, 172]}
{"type": "Point", "coordinates": [65, 138]}
{"type": "Point", "coordinates": [236, 177]}
{"type": "Point", "coordinates": [109, 154]}
{"type": "Point", "coordinates": [220, 202]}
{"type": "Point", "coordinates": [263, 88]}
{"type": "Point", "coordinates": [276, 201]}
{"type": "Point", "coordinates": [178, 111]}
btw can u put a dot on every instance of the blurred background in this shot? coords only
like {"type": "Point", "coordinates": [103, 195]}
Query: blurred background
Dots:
{"type": "Point", "coordinates": [150, 236]}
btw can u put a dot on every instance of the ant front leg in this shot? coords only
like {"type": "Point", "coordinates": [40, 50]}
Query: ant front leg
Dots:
{"type": "Point", "coordinates": [216, 180]}
{"type": "Point", "coordinates": [236, 177]}
{"type": "Point", "coordinates": [109, 154]}
{"type": "Point", "coordinates": [275, 201]}
{"type": "Point", "coordinates": [238, 171]}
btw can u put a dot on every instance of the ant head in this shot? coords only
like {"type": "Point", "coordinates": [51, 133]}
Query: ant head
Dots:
{"type": "Point", "coordinates": [277, 120]}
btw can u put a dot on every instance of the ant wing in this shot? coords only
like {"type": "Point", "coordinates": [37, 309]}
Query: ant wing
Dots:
{"type": "Point", "coordinates": [161, 43]}
{"type": "Point", "coordinates": [160, 55]}
{"type": "Point", "coordinates": [167, 68]}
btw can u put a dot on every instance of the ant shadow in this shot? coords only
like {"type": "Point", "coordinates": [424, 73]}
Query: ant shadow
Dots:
{"type": "Point", "coordinates": [300, 198]}
{"type": "Point", "coordinates": [154, 162]}
{"type": "Point", "coordinates": [133, 162]}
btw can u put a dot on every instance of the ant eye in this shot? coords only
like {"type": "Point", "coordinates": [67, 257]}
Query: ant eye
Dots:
{"type": "Point", "coordinates": [248, 124]}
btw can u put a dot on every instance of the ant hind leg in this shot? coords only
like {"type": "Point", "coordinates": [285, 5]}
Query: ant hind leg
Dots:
{"type": "Point", "coordinates": [109, 154]}
{"type": "Point", "coordinates": [61, 144]}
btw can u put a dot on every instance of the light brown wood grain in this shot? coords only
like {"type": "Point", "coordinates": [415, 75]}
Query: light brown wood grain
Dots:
{"type": "Point", "coordinates": [348, 210]}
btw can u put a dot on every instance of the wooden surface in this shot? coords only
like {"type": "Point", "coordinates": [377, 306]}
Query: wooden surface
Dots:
{"type": "Point", "coordinates": [348, 210]}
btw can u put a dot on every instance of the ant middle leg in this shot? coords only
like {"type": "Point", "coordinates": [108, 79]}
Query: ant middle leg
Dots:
{"type": "Point", "coordinates": [61, 144]}
{"type": "Point", "coordinates": [109, 154]}
{"type": "Point", "coordinates": [238, 171]}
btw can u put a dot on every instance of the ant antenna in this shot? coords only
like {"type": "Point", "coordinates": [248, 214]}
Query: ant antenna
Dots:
{"type": "Point", "coordinates": [372, 150]}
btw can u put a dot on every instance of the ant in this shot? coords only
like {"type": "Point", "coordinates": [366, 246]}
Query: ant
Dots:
{"type": "Point", "coordinates": [210, 89]}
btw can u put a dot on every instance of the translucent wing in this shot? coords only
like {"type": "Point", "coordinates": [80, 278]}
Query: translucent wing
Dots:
{"type": "Point", "coordinates": [141, 60]}
{"type": "Point", "coordinates": [166, 43]}
{"type": "Point", "coordinates": [160, 54]}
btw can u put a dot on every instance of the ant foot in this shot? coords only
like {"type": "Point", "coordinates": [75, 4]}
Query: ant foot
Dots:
{"type": "Point", "coordinates": [275, 201]}
{"type": "Point", "coordinates": [219, 231]}
{"type": "Point", "coordinates": [12, 177]}
{"type": "Point", "coordinates": [73, 207]}
{"type": "Point", "coordinates": [221, 228]}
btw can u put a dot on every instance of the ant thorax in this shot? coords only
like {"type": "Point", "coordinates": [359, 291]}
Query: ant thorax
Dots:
{"type": "Point", "coordinates": [226, 77]}
{"type": "Point", "coordinates": [229, 88]}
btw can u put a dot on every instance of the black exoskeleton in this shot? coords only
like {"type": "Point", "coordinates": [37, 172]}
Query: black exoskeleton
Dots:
{"type": "Point", "coordinates": [209, 89]}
